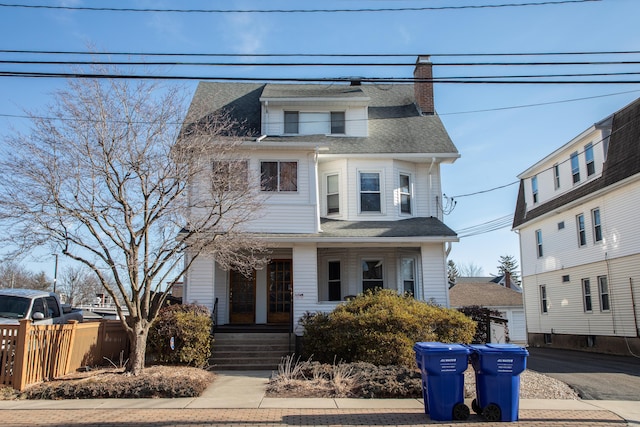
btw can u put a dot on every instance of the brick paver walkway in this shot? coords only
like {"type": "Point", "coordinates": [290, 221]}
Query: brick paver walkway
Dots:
{"type": "Point", "coordinates": [284, 417]}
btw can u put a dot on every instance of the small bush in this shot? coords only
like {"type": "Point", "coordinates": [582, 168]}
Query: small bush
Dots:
{"type": "Point", "coordinates": [190, 327]}
{"type": "Point", "coordinates": [381, 328]}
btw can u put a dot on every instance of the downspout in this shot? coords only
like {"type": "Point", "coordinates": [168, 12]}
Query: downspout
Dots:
{"type": "Point", "coordinates": [433, 160]}
{"type": "Point", "coordinates": [315, 168]}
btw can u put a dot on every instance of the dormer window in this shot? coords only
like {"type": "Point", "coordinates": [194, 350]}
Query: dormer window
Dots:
{"type": "Point", "coordinates": [314, 123]}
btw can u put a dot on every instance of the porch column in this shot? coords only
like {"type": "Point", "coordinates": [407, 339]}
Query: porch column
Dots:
{"type": "Point", "coordinates": [305, 281]}
{"type": "Point", "coordinates": [435, 286]}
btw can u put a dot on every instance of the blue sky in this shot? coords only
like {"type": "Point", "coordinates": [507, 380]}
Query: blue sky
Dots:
{"type": "Point", "coordinates": [497, 135]}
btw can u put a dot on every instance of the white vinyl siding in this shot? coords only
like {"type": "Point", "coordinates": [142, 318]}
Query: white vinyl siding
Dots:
{"type": "Point", "coordinates": [305, 282]}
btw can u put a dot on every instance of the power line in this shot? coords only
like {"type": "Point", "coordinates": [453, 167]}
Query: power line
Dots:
{"type": "Point", "coordinates": [465, 80]}
{"type": "Point", "coordinates": [321, 55]}
{"type": "Point", "coordinates": [221, 11]}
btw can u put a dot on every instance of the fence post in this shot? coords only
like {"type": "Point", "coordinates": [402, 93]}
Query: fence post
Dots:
{"type": "Point", "coordinates": [21, 358]}
{"type": "Point", "coordinates": [72, 338]}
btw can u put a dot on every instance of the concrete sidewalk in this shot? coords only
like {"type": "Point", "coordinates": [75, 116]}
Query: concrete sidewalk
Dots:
{"type": "Point", "coordinates": [239, 398]}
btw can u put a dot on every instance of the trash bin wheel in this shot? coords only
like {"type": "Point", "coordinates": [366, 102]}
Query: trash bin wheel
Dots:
{"type": "Point", "coordinates": [476, 408]}
{"type": "Point", "coordinates": [460, 411]}
{"type": "Point", "coordinates": [492, 412]}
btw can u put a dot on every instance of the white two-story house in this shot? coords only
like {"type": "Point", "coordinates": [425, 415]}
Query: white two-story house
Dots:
{"type": "Point", "coordinates": [576, 215]}
{"type": "Point", "coordinates": [351, 179]}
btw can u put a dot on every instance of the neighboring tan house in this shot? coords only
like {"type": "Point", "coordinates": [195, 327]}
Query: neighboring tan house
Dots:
{"type": "Point", "coordinates": [486, 292]}
{"type": "Point", "coordinates": [356, 200]}
{"type": "Point", "coordinates": [577, 218]}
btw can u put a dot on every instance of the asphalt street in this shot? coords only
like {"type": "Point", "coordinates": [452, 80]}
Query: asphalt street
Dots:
{"type": "Point", "coordinates": [594, 376]}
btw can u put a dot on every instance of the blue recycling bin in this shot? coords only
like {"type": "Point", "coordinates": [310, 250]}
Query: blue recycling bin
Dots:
{"type": "Point", "coordinates": [442, 369]}
{"type": "Point", "coordinates": [497, 370]}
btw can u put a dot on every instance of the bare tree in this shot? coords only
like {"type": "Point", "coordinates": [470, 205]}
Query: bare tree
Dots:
{"type": "Point", "coordinates": [79, 285]}
{"type": "Point", "coordinates": [469, 270]}
{"type": "Point", "coordinates": [13, 275]}
{"type": "Point", "coordinates": [111, 177]}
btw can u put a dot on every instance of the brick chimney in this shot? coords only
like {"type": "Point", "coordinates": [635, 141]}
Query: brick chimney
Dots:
{"type": "Point", "coordinates": [507, 279]}
{"type": "Point", "coordinates": [424, 89]}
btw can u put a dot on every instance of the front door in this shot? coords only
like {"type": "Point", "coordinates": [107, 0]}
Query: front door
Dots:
{"type": "Point", "coordinates": [242, 298]}
{"type": "Point", "coordinates": [280, 286]}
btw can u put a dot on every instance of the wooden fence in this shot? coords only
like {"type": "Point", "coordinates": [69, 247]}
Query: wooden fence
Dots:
{"type": "Point", "coordinates": [34, 353]}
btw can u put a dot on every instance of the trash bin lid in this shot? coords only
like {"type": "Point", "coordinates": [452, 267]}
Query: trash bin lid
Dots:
{"type": "Point", "coordinates": [438, 347]}
{"type": "Point", "coordinates": [500, 348]}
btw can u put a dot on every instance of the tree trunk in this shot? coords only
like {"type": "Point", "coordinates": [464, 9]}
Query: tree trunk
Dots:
{"type": "Point", "coordinates": [138, 340]}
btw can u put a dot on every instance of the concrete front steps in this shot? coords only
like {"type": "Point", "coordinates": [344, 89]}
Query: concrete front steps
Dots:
{"type": "Point", "coordinates": [250, 351]}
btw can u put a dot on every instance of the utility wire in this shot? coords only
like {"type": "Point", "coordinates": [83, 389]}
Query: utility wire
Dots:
{"type": "Point", "coordinates": [80, 75]}
{"type": "Point", "coordinates": [321, 55]}
{"type": "Point", "coordinates": [314, 64]}
{"type": "Point", "coordinates": [400, 9]}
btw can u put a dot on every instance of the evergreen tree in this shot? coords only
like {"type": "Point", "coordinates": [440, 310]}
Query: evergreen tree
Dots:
{"type": "Point", "coordinates": [508, 264]}
{"type": "Point", "coordinates": [452, 271]}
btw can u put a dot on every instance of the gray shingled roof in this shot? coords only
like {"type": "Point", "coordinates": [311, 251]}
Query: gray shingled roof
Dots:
{"type": "Point", "coordinates": [422, 227]}
{"type": "Point", "coordinates": [395, 125]}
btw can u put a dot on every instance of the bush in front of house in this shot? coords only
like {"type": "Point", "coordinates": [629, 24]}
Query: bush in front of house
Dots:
{"type": "Point", "coordinates": [190, 327]}
{"type": "Point", "coordinates": [381, 328]}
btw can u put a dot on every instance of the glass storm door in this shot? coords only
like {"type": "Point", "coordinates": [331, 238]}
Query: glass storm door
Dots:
{"type": "Point", "coordinates": [280, 285]}
{"type": "Point", "coordinates": [242, 298]}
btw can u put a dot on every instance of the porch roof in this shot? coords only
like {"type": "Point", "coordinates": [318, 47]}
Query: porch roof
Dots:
{"type": "Point", "coordinates": [422, 229]}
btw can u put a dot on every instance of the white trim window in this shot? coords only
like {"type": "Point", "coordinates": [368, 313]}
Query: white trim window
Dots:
{"type": "Point", "coordinates": [405, 193]}
{"type": "Point", "coordinates": [588, 156]}
{"type": "Point", "coordinates": [534, 188]}
{"type": "Point", "coordinates": [539, 251]}
{"type": "Point", "coordinates": [372, 275]}
{"type": "Point", "coordinates": [333, 194]}
{"type": "Point", "coordinates": [597, 225]}
{"type": "Point", "coordinates": [334, 280]}
{"type": "Point", "coordinates": [582, 231]}
{"type": "Point", "coordinates": [279, 176]}
{"type": "Point", "coordinates": [314, 123]}
{"type": "Point", "coordinates": [370, 192]}
{"type": "Point", "coordinates": [586, 296]}
{"type": "Point", "coordinates": [544, 302]}
{"type": "Point", "coordinates": [603, 289]}
{"type": "Point", "coordinates": [556, 176]}
{"type": "Point", "coordinates": [575, 167]}
{"type": "Point", "coordinates": [229, 175]}
{"type": "Point", "coordinates": [408, 272]}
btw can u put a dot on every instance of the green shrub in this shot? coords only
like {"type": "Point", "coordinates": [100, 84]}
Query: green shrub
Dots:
{"type": "Point", "coordinates": [381, 328]}
{"type": "Point", "coordinates": [190, 327]}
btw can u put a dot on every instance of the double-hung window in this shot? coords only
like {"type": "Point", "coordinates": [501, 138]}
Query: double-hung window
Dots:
{"type": "Point", "coordinates": [333, 194]}
{"type": "Point", "coordinates": [582, 232]}
{"type": "Point", "coordinates": [544, 303]}
{"type": "Point", "coordinates": [337, 123]}
{"type": "Point", "coordinates": [408, 268]}
{"type": "Point", "coordinates": [372, 275]}
{"type": "Point", "coordinates": [588, 156]}
{"type": "Point", "coordinates": [586, 295]}
{"type": "Point", "coordinates": [279, 176]}
{"type": "Point", "coordinates": [597, 226]}
{"type": "Point", "coordinates": [603, 289]}
{"type": "Point", "coordinates": [539, 243]}
{"type": "Point", "coordinates": [291, 122]}
{"type": "Point", "coordinates": [311, 123]}
{"type": "Point", "coordinates": [335, 292]}
{"type": "Point", "coordinates": [405, 194]}
{"type": "Point", "coordinates": [575, 167]}
{"type": "Point", "coordinates": [229, 175]}
{"type": "Point", "coordinates": [534, 188]}
{"type": "Point", "coordinates": [370, 196]}
{"type": "Point", "coordinates": [556, 176]}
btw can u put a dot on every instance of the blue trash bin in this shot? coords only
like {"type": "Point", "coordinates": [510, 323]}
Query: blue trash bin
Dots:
{"type": "Point", "coordinates": [442, 369]}
{"type": "Point", "coordinates": [497, 370]}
